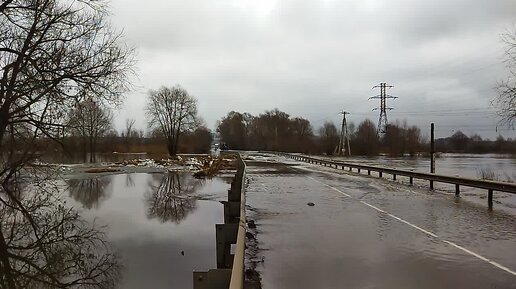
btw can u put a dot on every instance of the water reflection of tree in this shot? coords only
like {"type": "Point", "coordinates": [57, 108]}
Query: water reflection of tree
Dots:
{"type": "Point", "coordinates": [46, 244]}
{"type": "Point", "coordinates": [89, 192]}
{"type": "Point", "coordinates": [129, 181]}
{"type": "Point", "coordinates": [171, 198]}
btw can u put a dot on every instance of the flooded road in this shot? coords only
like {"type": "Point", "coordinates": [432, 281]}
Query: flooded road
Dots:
{"type": "Point", "coordinates": [365, 232]}
{"type": "Point", "coordinates": [162, 225]}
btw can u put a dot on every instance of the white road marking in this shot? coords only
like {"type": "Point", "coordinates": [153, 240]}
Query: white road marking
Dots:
{"type": "Point", "coordinates": [497, 265]}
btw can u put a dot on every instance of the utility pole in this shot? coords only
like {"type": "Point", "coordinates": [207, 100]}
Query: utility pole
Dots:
{"type": "Point", "coordinates": [382, 121]}
{"type": "Point", "coordinates": [432, 153]}
{"type": "Point", "coordinates": [344, 135]}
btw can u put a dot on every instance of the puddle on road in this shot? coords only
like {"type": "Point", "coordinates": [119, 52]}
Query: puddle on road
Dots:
{"type": "Point", "coordinates": [271, 168]}
{"type": "Point", "coordinates": [161, 224]}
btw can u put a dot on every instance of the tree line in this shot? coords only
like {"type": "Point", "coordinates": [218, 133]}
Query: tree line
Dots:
{"type": "Point", "coordinates": [275, 130]}
{"type": "Point", "coordinates": [461, 143]}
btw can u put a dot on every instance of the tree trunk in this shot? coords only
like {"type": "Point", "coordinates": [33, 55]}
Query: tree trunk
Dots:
{"type": "Point", "coordinates": [92, 149]}
{"type": "Point", "coordinates": [3, 128]}
{"type": "Point", "coordinates": [170, 146]}
{"type": "Point", "coordinates": [176, 142]}
{"type": "Point", "coordinates": [5, 266]}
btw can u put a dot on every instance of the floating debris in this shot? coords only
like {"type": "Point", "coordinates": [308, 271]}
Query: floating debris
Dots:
{"type": "Point", "coordinates": [101, 170]}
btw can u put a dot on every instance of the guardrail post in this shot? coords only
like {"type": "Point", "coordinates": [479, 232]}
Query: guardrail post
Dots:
{"type": "Point", "coordinates": [393, 177]}
{"type": "Point", "coordinates": [431, 185]}
{"type": "Point", "coordinates": [411, 180]}
{"type": "Point", "coordinates": [490, 198]}
{"type": "Point", "coordinates": [457, 190]}
{"type": "Point", "coordinates": [380, 174]}
{"type": "Point", "coordinates": [350, 169]}
{"type": "Point", "coordinates": [359, 170]}
{"type": "Point", "coordinates": [368, 172]}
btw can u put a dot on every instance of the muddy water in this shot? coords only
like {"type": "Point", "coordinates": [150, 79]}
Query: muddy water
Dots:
{"type": "Point", "coordinates": [161, 224]}
{"type": "Point", "coordinates": [372, 233]}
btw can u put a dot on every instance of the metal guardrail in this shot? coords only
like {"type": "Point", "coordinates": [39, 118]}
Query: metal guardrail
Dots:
{"type": "Point", "coordinates": [491, 186]}
{"type": "Point", "coordinates": [230, 268]}
{"type": "Point", "coordinates": [237, 272]}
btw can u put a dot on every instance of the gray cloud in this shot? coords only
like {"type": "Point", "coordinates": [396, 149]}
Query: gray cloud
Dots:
{"type": "Point", "coordinates": [314, 58]}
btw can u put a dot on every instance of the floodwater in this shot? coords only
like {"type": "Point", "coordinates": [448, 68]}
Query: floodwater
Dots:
{"type": "Point", "coordinates": [162, 225]}
{"type": "Point", "coordinates": [495, 166]}
{"type": "Point", "coordinates": [78, 158]}
{"type": "Point", "coordinates": [464, 165]}
{"type": "Point", "coordinates": [366, 232]}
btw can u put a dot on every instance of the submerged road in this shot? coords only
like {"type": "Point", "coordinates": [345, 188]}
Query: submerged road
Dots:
{"type": "Point", "coordinates": [365, 232]}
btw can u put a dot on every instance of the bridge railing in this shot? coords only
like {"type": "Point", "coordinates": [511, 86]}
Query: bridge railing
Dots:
{"type": "Point", "coordinates": [237, 272]}
{"type": "Point", "coordinates": [490, 186]}
{"type": "Point", "coordinates": [230, 267]}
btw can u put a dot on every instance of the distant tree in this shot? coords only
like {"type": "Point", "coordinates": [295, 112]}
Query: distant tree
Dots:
{"type": "Point", "coordinates": [129, 132]}
{"type": "Point", "coordinates": [203, 138]}
{"type": "Point", "coordinates": [233, 130]}
{"type": "Point", "coordinates": [365, 141]}
{"type": "Point", "coordinates": [275, 128]}
{"type": "Point", "coordinates": [414, 140]}
{"type": "Point", "coordinates": [459, 141]}
{"type": "Point", "coordinates": [328, 138]}
{"type": "Point", "coordinates": [174, 112]}
{"type": "Point", "coordinates": [301, 139]}
{"type": "Point", "coordinates": [500, 143]}
{"type": "Point", "coordinates": [393, 139]}
{"type": "Point", "coordinates": [89, 121]}
{"type": "Point", "coordinates": [197, 141]}
{"type": "Point", "coordinates": [270, 130]}
{"type": "Point", "coordinates": [506, 99]}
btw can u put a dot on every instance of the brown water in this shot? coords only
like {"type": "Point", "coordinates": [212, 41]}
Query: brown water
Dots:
{"type": "Point", "coordinates": [163, 225]}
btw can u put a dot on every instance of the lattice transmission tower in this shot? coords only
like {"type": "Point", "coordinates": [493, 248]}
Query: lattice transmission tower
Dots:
{"type": "Point", "coordinates": [383, 96]}
{"type": "Point", "coordinates": [344, 136]}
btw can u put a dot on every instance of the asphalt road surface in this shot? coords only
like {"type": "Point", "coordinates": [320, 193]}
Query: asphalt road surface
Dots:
{"type": "Point", "coordinates": [366, 232]}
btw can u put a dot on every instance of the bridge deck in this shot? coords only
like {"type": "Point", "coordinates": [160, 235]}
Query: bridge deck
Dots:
{"type": "Point", "coordinates": [365, 232]}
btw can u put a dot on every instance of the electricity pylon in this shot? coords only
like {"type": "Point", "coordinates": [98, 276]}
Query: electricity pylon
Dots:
{"type": "Point", "coordinates": [382, 121]}
{"type": "Point", "coordinates": [344, 135]}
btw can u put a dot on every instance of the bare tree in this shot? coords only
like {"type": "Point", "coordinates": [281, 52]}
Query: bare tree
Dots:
{"type": "Point", "coordinates": [51, 52]}
{"type": "Point", "coordinates": [329, 138]}
{"type": "Point", "coordinates": [365, 140]}
{"type": "Point", "coordinates": [89, 121]}
{"type": "Point", "coordinates": [174, 112]}
{"type": "Point", "coordinates": [53, 55]}
{"type": "Point", "coordinates": [233, 130]}
{"type": "Point", "coordinates": [506, 99]}
{"type": "Point", "coordinates": [129, 132]}
{"type": "Point", "coordinates": [197, 141]}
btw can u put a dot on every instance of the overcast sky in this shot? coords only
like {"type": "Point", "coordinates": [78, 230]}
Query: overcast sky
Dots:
{"type": "Point", "coordinates": [316, 58]}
